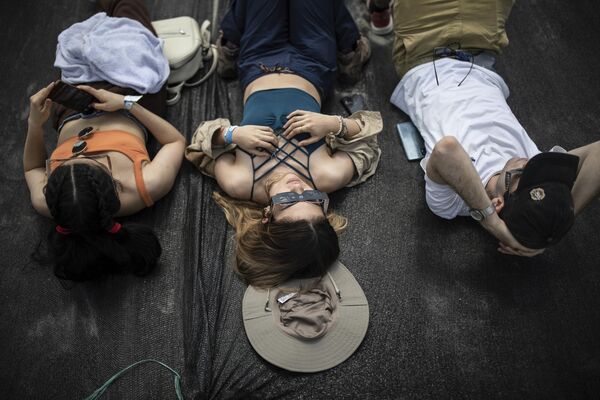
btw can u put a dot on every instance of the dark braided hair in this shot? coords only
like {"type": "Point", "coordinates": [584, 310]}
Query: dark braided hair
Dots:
{"type": "Point", "coordinates": [82, 199]}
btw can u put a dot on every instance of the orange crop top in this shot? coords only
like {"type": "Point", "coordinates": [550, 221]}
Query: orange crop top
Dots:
{"type": "Point", "coordinates": [122, 142]}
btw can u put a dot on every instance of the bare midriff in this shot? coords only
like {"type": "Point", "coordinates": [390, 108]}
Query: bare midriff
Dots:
{"type": "Point", "coordinates": [105, 122]}
{"type": "Point", "coordinates": [281, 81]}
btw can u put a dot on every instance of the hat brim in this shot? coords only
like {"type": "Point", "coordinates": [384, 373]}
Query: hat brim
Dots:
{"type": "Point", "coordinates": [549, 167]}
{"type": "Point", "coordinates": [297, 355]}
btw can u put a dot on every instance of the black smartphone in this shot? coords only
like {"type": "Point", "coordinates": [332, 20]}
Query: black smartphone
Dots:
{"type": "Point", "coordinates": [412, 141]}
{"type": "Point", "coordinates": [354, 103]}
{"type": "Point", "coordinates": [71, 97]}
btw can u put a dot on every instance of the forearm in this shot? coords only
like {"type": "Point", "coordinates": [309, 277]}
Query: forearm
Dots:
{"type": "Point", "coordinates": [352, 128]}
{"type": "Point", "coordinates": [363, 124]}
{"type": "Point", "coordinates": [587, 184]}
{"type": "Point", "coordinates": [218, 138]}
{"type": "Point", "coordinates": [450, 165]}
{"type": "Point", "coordinates": [34, 153]}
{"type": "Point", "coordinates": [162, 130]}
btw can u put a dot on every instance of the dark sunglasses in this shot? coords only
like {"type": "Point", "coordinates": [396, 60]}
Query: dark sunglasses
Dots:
{"type": "Point", "coordinates": [456, 53]}
{"type": "Point", "coordinates": [78, 150]}
{"type": "Point", "coordinates": [508, 175]}
{"type": "Point", "coordinates": [288, 199]}
{"type": "Point", "coordinates": [79, 147]}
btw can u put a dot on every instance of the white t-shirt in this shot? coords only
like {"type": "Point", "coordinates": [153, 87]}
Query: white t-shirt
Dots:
{"type": "Point", "coordinates": [475, 113]}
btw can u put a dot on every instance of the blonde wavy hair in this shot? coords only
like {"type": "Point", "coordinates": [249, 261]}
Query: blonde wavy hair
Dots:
{"type": "Point", "coordinates": [269, 254]}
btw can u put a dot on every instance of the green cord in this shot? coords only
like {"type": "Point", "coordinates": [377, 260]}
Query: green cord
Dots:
{"type": "Point", "coordinates": [100, 391]}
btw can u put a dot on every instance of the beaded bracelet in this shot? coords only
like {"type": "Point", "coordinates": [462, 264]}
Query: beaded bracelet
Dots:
{"type": "Point", "coordinates": [228, 137]}
{"type": "Point", "coordinates": [344, 129]}
{"type": "Point", "coordinates": [336, 134]}
{"type": "Point", "coordinates": [341, 127]}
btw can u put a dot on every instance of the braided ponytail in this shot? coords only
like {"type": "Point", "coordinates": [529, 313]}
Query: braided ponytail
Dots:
{"type": "Point", "coordinates": [86, 244]}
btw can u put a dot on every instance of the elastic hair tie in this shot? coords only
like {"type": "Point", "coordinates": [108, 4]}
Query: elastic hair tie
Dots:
{"type": "Point", "coordinates": [62, 231]}
{"type": "Point", "coordinates": [115, 228]}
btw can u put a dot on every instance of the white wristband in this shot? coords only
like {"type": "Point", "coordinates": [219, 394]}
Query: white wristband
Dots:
{"type": "Point", "coordinates": [129, 101]}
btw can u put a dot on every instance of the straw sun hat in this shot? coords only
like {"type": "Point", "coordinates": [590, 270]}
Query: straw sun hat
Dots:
{"type": "Point", "coordinates": [309, 330]}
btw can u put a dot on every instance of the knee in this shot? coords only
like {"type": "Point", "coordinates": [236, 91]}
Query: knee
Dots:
{"type": "Point", "coordinates": [446, 145]}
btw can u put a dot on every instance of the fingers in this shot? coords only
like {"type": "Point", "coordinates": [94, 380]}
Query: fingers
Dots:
{"type": "Point", "coordinates": [312, 139]}
{"type": "Point", "coordinates": [267, 129]}
{"type": "Point", "coordinates": [296, 113]}
{"type": "Point", "coordinates": [47, 105]}
{"type": "Point", "coordinates": [272, 140]}
{"type": "Point", "coordinates": [257, 152]}
{"type": "Point", "coordinates": [507, 250]}
{"type": "Point", "coordinates": [41, 95]}
{"type": "Point", "coordinates": [267, 146]}
{"type": "Point", "coordinates": [296, 116]}
{"type": "Point", "coordinates": [296, 120]}
{"type": "Point", "coordinates": [89, 89]}
{"type": "Point", "coordinates": [522, 252]}
{"type": "Point", "coordinates": [100, 106]}
{"type": "Point", "coordinates": [260, 151]}
{"type": "Point", "coordinates": [296, 127]}
{"type": "Point", "coordinates": [297, 131]}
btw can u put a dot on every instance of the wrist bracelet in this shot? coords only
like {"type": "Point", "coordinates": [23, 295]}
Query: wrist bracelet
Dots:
{"type": "Point", "coordinates": [336, 134]}
{"type": "Point", "coordinates": [344, 129]}
{"type": "Point", "coordinates": [129, 101]}
{"type": "Point", "coordinates": [228, 137]}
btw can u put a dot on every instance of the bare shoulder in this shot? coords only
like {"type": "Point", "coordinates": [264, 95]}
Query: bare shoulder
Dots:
{"type": "Point", "coordinates": [233, 176]}
{"type": "Point", "coordinates": [332, 172]}
{"type": "Point", "coordinates": [131, 202]}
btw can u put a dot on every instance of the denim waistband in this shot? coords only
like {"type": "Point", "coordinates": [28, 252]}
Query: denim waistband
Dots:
{"type": "Point", "coordinates": [485, 59]}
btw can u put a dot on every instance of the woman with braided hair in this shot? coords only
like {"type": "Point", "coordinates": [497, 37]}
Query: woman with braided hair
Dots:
{"type": "Point", "coordinates": [101, 170]}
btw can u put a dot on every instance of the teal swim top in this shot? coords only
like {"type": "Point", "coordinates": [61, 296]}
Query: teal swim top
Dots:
{"type": "Point", "coordinates": [271, 108]}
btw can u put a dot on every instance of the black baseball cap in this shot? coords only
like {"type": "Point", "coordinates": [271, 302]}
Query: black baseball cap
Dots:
{"type": "Point", "coordinates": [540, 211]}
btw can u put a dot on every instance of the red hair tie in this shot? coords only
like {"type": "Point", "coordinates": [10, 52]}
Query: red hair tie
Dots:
{"type": "Point", "coordinates": [62, 231]}
{"type": "Point", "coordinates": [115, 228]}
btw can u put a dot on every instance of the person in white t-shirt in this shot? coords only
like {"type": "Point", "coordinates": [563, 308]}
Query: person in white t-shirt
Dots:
{"type": "Point", "coordinates": [479, 160]}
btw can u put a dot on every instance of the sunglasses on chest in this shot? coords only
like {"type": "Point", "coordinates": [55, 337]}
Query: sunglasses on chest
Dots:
{"type": "Point", "coordinates": [79, 147]}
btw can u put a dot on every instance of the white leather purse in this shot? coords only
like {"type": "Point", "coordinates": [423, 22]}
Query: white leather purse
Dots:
{"type": "Point", "coordinates": [187, 47]}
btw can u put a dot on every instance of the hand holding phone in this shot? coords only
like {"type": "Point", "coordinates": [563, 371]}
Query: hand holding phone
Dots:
{"type": "Point", "coordinates": [40, 106]}
{"type": "Point", "coordinates": [71, 97]}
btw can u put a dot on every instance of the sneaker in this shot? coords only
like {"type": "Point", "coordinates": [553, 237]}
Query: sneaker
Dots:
{"type": "Point", "coordinates": [351, 64]}
{"type": "Point", "coordinates": [381, 19]}
{"type": "Point", "coordinates": [228, 55]}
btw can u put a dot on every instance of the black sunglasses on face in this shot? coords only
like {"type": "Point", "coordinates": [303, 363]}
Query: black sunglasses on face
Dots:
{"type": "Point", "coordinates": [288, 199]}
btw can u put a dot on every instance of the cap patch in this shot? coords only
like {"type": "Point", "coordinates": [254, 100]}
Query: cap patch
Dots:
{"type": "Point", "coordinates": [537, 194]}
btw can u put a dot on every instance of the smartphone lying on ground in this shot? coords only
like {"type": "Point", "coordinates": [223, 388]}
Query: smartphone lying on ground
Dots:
{"type": "Point", "coordinates": [412, 141]}
{"type": "Point", "coordinates": [354, 103]}
{"type": "Point", "coordinates": [71, 97]}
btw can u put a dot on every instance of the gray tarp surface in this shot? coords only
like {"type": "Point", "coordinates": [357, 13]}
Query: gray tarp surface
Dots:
{"type": "Point", "coordinates": [450, 316]}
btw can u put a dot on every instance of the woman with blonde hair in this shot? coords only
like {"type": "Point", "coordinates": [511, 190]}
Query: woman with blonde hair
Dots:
{"type": "Point", "coordinates": [278, 165]}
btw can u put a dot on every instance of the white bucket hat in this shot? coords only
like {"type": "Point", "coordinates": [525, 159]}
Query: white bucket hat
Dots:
{"type": "Point", "coordinates": [310, 330]}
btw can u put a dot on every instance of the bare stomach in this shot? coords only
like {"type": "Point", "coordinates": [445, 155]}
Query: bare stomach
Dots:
{"type": "Point", "coordinates": [105, 122]}
{"type": "Point", "coordinates": [281, 81]}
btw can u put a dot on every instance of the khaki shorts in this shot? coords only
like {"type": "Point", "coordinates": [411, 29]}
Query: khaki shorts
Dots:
{"type": "Point", "coordinates": [422, 25]}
